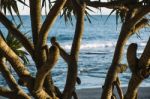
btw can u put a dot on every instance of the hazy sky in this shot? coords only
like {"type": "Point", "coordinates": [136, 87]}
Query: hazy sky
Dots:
{"type": "Point", "coordinates": [25, 10]}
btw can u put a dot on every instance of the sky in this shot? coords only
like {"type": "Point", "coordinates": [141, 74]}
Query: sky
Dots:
{"type": "Point", "coordinates": [25, 10]}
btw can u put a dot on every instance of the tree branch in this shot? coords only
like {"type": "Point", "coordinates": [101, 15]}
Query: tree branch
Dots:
{"type": "Point", "coordinates": [80, 9]}
{"type": "Point", "coordinates": [6, 93]}
{"type": "Point", "coordinates": [131, 57]}
{"type": "Point", "coordinates": [142, 11]}
{"type": "Point", "coordinates": [35, 12]}
{"type": "Point", "coordinates": [72, 65]}
{"type": "Point", "coordinates": [133, 86]}
{"type": "Point", "coordinates": [125, 33]}
{"type": "Point", "coordinates": [9, 25]}
{"type": "Point", "coordinates": [50, 19]}
{"type": "Point", "coordinates": [119, 90]}
{"type": "Point", "coordinates": [63, 53]}
{"type": "Point", "coordinates": [141, 24]}
{"type": "Point", "coordinates": [140, 69]}
{"type": "Point", "coordinates": [24, 75]}
{"type": "Point", "coordinates": [10, 80]}
{"type": "Point", "coordinates": [121, 68]}
{"type": "Point", "coordinates": [145, 57]}
{"type": "Point", "coordinates": [8, 76]}
{"type": "Point", "coordinates": [46, 26]}
{"type": "Point", "coordinates": [13, 59]}
{"type": "Point", "coordinates": [45, 69]}
{"type": "Point", "coordinates": [12, 94]}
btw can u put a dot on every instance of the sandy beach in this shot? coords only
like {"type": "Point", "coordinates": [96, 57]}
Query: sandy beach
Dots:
{"type": "Point", "coordinates": [95, 93]}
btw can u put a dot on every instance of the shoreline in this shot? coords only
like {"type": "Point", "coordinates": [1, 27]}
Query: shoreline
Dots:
{"type": "Point", "coordinates": [95, 93]}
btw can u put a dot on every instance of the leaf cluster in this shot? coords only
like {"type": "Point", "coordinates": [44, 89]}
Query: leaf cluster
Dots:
{"type": "Point", "coordinates": [16, 45]}
{"type": "Point", "coordinates": [68, 12]}
{"type": "Point", "coordinates": [11, 6]}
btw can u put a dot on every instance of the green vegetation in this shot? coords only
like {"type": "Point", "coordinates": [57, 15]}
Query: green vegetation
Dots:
{"type": "Point", "coordinates": [15, 45]}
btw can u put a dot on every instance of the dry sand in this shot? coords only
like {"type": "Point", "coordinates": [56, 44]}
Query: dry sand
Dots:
{"type": "Point", "coordinates": [94, 93]}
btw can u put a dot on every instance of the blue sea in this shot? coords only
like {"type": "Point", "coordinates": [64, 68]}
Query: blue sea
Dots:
{"type": "Point", "coordinates": [96, 52]}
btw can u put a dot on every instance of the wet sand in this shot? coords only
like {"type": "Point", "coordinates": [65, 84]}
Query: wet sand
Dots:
{"type": "Point", "coordinates": [95, 93]}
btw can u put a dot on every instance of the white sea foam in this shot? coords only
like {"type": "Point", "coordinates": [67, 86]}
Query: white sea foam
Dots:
{"type": "Point", "coordinates": [142, 44]}
{"type": "Point", "coordinates": [92, 45]}
{"type": "Point", "coordinates": [96, 45]}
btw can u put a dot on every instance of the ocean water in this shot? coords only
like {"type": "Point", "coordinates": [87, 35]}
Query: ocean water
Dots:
{"type": "Point", "coordinates": [96, 52]}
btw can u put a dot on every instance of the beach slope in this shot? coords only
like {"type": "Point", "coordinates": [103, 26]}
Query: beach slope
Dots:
{"type": "Point", "coordinates": [95, 93]}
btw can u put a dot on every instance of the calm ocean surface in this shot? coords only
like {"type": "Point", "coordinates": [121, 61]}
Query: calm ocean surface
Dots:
{"type": "Point", "coordinates": [96, 51]}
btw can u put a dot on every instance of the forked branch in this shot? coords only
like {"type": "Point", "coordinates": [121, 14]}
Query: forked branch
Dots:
{"type": "Point", "coordinates": [44, 70]}
{"type": "Point", "coordinates": [139, 67]}
{"type": "Point", "coordinates": [50, 19]}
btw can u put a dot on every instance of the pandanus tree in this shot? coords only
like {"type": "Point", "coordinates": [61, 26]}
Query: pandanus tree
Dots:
{"type": "Point", "coordinates": [41, 86]}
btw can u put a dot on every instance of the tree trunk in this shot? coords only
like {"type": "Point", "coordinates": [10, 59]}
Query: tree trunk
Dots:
{"type": "Point", "coordinates": [72, 64]}
{"type": "Point", "coordinates": [112, 73]}
{"type": "Point", "coordinates": [44, 70]}
{"type": "Point", "coordinates": [139, 68]}
{"type": "Point", "coordinates": [46, 26]}
{"type": "Point", "coordinates": [127, 30]}
{"type": "Point", "coordinates": [35, 12]}
{"type": "Point", "coordinates": [43, 34]}
{"type": "Point", "coordinates": [133, 85]}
